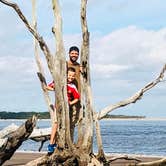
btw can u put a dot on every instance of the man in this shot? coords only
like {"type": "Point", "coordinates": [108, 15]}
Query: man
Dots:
{"type": "Point", "coordinates": [72, 62]}
{"type": "Point", "coordinates": [74, 110]}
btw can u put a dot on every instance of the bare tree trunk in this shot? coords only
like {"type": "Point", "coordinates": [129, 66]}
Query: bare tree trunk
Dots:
{"type": "Point", "coordinates": [15, 139]}
{"type": "Point", "coordinates": [86, 94]}
{"type": "Point", "coordinates": [41, 74]}
{"type": "Point", "coordinates": [59, 77]}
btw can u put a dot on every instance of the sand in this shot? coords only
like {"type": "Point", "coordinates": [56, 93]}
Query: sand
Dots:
{"type": "Point", "coordinates": [21, 158]}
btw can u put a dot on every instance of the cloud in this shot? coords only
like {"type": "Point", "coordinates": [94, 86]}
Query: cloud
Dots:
{"type": "Point", "coordinates": [127, 49]}
{"type": "Point", "coordinates": [106, 70]}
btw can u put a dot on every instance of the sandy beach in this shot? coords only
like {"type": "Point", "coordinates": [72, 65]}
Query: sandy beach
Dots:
{"type": "Point", "coordinates": [21, 158]}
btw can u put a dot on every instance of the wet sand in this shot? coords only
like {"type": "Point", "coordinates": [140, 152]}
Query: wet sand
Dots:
{"type": "Point", "coordinates": [20, 158]}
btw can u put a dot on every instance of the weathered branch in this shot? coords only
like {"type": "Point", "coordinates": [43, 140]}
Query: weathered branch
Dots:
{"type": "Point", "coordinates": [133, 98]}
{"type": "Point", "coordinates": [40, 40]}
{"type": "Point", "coordinates": [7, 130]}
{"type": "Point", "coordinates": [41, 74]}
{"type": "Point", "coordinates": [15, 139]}
{"type": "Point", "coordinates": [38, 135]}
{"type": "Point", "coordinates": [86, 91]}
{"type": "Point", "coordinates": [36, 132]}
{"type": "Point", "coordinates": [161, 162]}
{"type": "Point", "coordinates": [59, 77]}
{"type": "Point", "coordinates": [125, 157]}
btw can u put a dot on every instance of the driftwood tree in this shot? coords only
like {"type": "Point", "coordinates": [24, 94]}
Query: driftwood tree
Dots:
{"type": "Point", "coordinates": [12, 141]}
{"type": "Point", "coordinates": [81, 152]}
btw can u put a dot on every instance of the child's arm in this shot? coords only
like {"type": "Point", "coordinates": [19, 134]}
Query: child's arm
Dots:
{"type": "Point", "coordinates": [50, 86]}
{"type": "Point", "coordinates": [73, 101]}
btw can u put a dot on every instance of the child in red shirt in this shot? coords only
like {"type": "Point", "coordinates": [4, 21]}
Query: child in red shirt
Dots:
{"type": "Point", "coordinates": [72, 92]}
{"type": "Point", "coordinates": [73, 98]}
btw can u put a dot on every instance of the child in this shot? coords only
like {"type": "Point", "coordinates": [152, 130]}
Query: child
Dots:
{"type": "Point", "coordinates": [73, 98]}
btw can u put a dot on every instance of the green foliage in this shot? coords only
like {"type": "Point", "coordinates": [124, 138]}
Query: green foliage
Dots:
{"type": "Point", "coordinates": [46, 115]}
{"type": "Point", "coordinates": [23, 115]}
{"type": "Point", "coordinates": [123, 116]}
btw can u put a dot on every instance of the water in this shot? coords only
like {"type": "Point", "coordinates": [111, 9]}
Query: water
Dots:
{"type": "Point", "coordinates": [119, 136]}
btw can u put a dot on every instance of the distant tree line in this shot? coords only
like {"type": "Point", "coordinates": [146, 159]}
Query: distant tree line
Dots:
{"type": "Point", "coordinates": [123, 116]}
{"type": "Point", "coordinates": [23, 115]}
{"type": "Point", "coordinates": [46, 115]}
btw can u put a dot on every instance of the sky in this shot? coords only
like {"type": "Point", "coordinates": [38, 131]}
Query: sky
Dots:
{"type": "Point", "coordinates": [127, 51]}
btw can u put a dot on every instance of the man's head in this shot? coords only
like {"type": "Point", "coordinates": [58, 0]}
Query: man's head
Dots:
{"type": "Point", "coordinates": [73, 53]}
{"type": "Point", "coordinates": [71, 74]}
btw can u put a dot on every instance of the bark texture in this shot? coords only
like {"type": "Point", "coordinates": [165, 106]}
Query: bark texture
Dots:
{"type": "Point", "coordinates": [15, 139]}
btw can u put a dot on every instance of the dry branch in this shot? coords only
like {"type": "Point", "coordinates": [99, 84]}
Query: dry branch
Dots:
{"type": "Point", "coordinates": [40, 40]}
{"type": "Point", "coordinates": [137, 96]}
{"type": "Point", "coordinates": [15, 139]}
{"type": "Point", "coordinates": [41, 76]}
{"type": "Point", "coordinates": [125, 157]}
{"type": "Point", "coordinates": [38, 135]}
{"type": "Point", "coordinates": [161, 162]}
{"type": "Point", "coordinates": [59, 77]}
{"type": "Point", "coordinates": [86, 92]}
{"type": "Point", "coordinates": [7, 130]}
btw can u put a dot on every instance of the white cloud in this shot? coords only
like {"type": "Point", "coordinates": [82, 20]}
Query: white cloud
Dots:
{"type": "Point", "coordinates": [106, 70]}
{"type": "Point", "coordinates": [129, 48]}
{"type": "Point", "coordinates": [12, 63]}
{"type": "Point", "coordinates": [121, 51]}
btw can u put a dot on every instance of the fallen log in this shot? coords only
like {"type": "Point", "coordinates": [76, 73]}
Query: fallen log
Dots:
{"type": "Point", "coordinates": [38, 135]}
{"type": "Point", "coordinates": [16, 138]}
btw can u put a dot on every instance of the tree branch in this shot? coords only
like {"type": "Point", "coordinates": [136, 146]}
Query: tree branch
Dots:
{"type": "Point", "coordinates": [86, 90]}
{"type": "Point", "coordinates": [137, 96]}
{"type": "Point", "coordinates": [15, 139]}
{"type": "Point", "coordinates": [40, 40]}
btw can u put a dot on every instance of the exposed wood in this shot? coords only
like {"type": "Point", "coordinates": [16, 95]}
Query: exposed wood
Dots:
{"type": "Point", "coordinates": [161, 162]}
{"type": "Point", "coordinates": [39, 38]}
{"type": "Point", "coordinates": [7, 130]}
{"type": "Point", "coordinates": [15, 139]}
{"type": "Point", "coordinates": [38, 135]}
{"type": "Point", "coordinates": [126, 157]}
{"type": "Point", "coordinates": [41, 132]}
{"type": "Point", "coordinates": [41, 74]}
{"type": "Point", "coordinates": [134, 98]}
{"type": "Point", "coordinates": [86, 94]}
{"type": "Point", "coordinates": [59, 77]}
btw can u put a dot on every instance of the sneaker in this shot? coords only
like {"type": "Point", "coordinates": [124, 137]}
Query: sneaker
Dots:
{"type": "Point", "coordinates": [51, 148]}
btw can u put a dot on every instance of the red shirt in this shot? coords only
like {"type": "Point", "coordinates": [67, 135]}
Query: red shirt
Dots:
{"type": "Point", "coordinates": [72, 92]}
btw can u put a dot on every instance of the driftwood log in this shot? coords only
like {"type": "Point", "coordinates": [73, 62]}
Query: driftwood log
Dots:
{"type": "Point", "coordinates": [14, 140]}
{"type": "Point", "coordinates": [38, 135]}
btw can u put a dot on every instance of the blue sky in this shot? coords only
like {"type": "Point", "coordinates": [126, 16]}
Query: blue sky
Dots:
{"type": "Point", "coordinates": [127, 50]}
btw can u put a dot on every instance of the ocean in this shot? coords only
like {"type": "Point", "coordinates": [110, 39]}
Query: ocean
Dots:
{"type": "Point", "coordinates": [143, 137]}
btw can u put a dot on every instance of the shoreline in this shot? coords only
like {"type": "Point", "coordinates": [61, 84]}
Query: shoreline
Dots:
{"type": "Point", "coordinates": [141, 119]}
{"type": "Point", "coordinates": [21, 158]}
{"type": "Point", "coordinates": [107, 154]}
{"type": "Point", "coordinates": [136, 119]}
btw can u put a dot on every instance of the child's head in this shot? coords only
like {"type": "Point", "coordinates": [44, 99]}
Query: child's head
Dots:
{"type": "Point", "coordinates": [70, 74]}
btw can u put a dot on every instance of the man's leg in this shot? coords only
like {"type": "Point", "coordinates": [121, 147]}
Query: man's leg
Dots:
{"type": "Point", "coordinates": [74, 115]}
